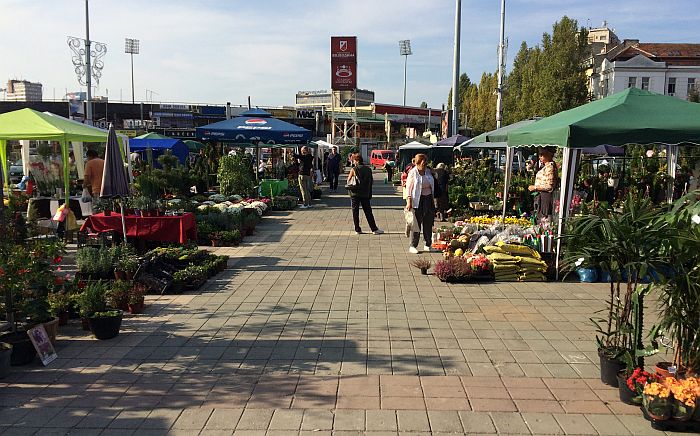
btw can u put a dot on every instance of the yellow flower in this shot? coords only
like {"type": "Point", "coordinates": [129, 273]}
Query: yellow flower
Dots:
{"type": "Point", "coordinates": [656, 390]}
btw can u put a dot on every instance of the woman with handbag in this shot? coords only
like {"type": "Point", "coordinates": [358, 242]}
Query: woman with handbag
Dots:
{"type": "Point", "coordinates": [359, 185]}
{"type": "Point", "coordinates": [420, 186]}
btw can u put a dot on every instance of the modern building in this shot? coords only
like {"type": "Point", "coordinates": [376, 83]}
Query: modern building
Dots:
{"type": "Point", "coordinates": [23, 90]}
{"type": "Point", "coordinates": [663, 68]}
{"type": "Point", "coordinates": [324, 99]}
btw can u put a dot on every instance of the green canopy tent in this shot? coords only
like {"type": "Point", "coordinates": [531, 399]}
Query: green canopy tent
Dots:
{"type": "Point", "coordinates": [193, 146]}
{"type": "Point", "coordinates": [632, 116]}
{"type": "Point", "coordinates": [28, 124]}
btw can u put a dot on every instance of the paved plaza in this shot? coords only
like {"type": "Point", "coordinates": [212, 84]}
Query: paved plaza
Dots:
{"type": "Point", "coordinates": [314, 330]}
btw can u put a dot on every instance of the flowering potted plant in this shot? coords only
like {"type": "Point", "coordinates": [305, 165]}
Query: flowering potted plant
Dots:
{"type": "Point", "coordinates": [685, 392]}
{"type": "Point", "coordinates": [656, 398]}
{"type": "Point", "coordinates": [423, 265]}
{"type": "Point", "coordinates": [631, 389]}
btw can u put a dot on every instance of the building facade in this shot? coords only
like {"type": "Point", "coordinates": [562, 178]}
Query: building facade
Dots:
{"type": "Point", "coordinates": [23, 90]}
{"type": "Point", "coordinates": [662, 68]}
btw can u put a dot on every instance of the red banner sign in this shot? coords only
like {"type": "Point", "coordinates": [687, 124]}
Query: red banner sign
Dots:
{"type": "Point", "coordinates": [343, 49]}
{"type": "Point", "coordinates": [343, 62]}
{"type": "Point", "coordinates": [343, 76]}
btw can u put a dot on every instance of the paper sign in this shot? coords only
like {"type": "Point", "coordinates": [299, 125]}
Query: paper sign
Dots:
{"type": "Point", "coordinates": [43, 344]}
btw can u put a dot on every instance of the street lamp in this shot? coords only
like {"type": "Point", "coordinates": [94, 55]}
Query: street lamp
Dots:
{"type": "Point", "coordinates": [131, 46]}
{"type": "Point", "coordinates": [405, 49]}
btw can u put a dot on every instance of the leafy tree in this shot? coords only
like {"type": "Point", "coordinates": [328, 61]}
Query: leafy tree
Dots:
{"type": "Point", "coordinates": [694, 95]}
{"type": "Point", "coordinates": [424, 105]}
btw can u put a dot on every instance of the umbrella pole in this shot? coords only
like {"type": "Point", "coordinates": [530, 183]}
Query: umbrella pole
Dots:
{"type": "Point", "coordinates": [121, 206]}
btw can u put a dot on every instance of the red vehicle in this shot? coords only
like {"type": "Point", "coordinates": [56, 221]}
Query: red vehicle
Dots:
{"type": "Point", "coordinates": [379, 157]}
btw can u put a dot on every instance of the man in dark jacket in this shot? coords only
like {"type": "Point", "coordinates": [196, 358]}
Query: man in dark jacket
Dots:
{"type": "Point", "coordinates": [362, 194]}
{"type": "Point", "coordinates": [306, 167]}
{"type": "Point", "coordinates": [333, 168]}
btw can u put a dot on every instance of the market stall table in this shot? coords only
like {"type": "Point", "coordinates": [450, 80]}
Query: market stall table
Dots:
{"type": "Point", "coordinates": [273, 187]}
{"type": "Point", "coordinates": [175, 229]}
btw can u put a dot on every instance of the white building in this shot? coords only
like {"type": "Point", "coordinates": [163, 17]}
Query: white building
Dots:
{"type": "Point", "coordinates": [671, 69]}
{"type": "Point", "coordinates": [23, 90]}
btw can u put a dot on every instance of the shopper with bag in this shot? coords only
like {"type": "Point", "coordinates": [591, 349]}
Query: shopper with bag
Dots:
{"type": "Point", "coordinates": [420, 186]}
{"type": "Point", "coordinates": [359, 185]}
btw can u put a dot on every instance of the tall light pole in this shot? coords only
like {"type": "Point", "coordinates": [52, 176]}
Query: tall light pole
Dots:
{"type": "Point", "coordinates": [501, 66]}
{"type": "Point", "coordinates": [405, 49]}
{"type": "Point", "coordinates": [455, 79]}
{"type": "Point", "coordinates": [131, 46]}
{"type": "Point", "coordinates": [88, 68]}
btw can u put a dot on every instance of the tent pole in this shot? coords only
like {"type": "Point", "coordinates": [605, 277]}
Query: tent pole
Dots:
{"type": "Point", "coordinates": [671, 162]}
{"type": "Point", "coordinates": [566, 190]}
{"type": "Point", "coordinates": [121, 207]}
{"type": "Point", "coordinates": [66, 171]}
{"type": "Point", "coordinates": [506, 179]}
{"type": "Point", "coordinates": [5, 169]}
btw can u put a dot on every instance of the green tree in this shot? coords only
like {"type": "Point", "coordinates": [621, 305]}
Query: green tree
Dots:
{"type": "Point", "coordinates": [424, 105]}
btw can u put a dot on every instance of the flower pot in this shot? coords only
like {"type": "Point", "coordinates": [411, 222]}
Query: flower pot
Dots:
{"type": "Point", "coordinates": [106, 327]}
{"type": "Point", "coordinates": [215, 242]}
{"type": "Point", "coordinates": [63, 318]}
{"type": "Point", "coordinates": [661, 370]}
{"type": "Point", "coordinates": [119, 275]}
{"type": "Point", "coordinates": [681, 412]}
{"type": "Point", "coordinates": [609, 367]}
{"type": "Point", "coordinates": [51, 328]}
{"type": "Point", "coordinates": [136, 308]}
{"type": "Point", "coordinates": [657, 408]}
{"type": "Point", "coordinates": [587, 275]}
{"type": "Point", "coordinates": [85, 323]}
{"type": "Point", "coordinates": [5, 359]}
{"type": "Point", "coordinates": [424, 271]}
{"type": "Point", "coordinates": [627, 395]}
{"type": "Point", "coordinates": [23, 351]}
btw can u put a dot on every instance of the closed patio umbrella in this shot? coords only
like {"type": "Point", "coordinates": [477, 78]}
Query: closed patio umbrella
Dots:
{"type": "Point", "coordinates": [115, 183]}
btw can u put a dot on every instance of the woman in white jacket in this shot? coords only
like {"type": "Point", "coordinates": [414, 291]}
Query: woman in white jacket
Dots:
{"type": "Point", "coordinates": [420, 186]}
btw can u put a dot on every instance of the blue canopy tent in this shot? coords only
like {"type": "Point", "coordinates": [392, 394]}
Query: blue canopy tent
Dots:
{"type": "Point", "coordinates": [254, 125]}
{"type": "Point", "coordinates": [159, 146]}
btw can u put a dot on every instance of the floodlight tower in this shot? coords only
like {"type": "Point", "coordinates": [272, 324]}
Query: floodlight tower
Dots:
{"type": "Point", "coordinates": [405, 49]}
{"type": "Point", "coordinates": [131, 46]}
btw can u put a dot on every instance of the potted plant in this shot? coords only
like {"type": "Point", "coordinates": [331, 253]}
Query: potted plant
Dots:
{"type": "Point", "coordinates": [422, 264]}
{"type": "Point", "coordinates": [103, 322]}
{"type": "Point", "coordinates": [632, 387]}
{"type": "Point", "coordinates": [137, 298]}
{"type": "Point", "coordinates": [118, 294]}
{"type": "Point", "coordinates": [106, 325]}
{"type": "Point", "coordinates": [684, 393]}
{"type": "Point", "coordinates": [656, 398]}
{"type": "Point", "coordinates": [59, 301]}
{"type": "Point", "coordinates": [679, 299]}
{"type": "Point", "coordinates": [128, 264]}
{"type": "Point", "coordinates": [625, 244]}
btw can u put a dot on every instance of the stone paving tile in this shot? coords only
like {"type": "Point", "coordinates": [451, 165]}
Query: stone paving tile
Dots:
{"type": "Point", "coordinates": [412, 420]}
{"type": "Point", "coordinates": [509, 423]}
{"type": "Point", "coordinates": [381, 420]}
{"type": "Point", "coordinates": [542, 423]}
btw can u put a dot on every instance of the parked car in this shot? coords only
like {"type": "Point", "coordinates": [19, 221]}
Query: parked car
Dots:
{"type": "Point", "coordinates": [379, 157]}
{"type": "Point", "coordinates": [16, 171]}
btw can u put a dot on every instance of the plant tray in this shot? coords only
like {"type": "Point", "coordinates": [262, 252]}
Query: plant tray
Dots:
{"type": "Point", "coordinates": [440, 245]}
{"type": "Point", "coordinates": [691, 426]}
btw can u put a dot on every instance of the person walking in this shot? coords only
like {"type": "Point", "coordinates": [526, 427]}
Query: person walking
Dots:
{"type": "Point", "coordinates": [362, 194]}
{"type": "Point", "coordinates": [306, 164]}
{"type": "Point", "coordinates": [333, 168]}
{"type": "Point", "coordinates": [420, 186]}
{"type": "Point", "coordinates": [442, 199]}
{"type": "Point", "coordinates": [389, 167]}
{"type": "Point", "coordinates": [94, 168]}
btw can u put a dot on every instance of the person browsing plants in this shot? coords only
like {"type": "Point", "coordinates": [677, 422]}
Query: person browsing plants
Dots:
{"type": "Point", "coordinates": [545, 182]}
{"type": "Point", "coordinates": [359, 186]}
{"type": "Point", "coordinates": [420, 186]}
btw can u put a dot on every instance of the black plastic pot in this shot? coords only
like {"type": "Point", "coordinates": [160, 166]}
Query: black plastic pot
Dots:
{"type": "Point", "coordinates": [23, 351]}
{"type": "Point", "coordinates": [106, 327]}
{"type": "Point", "coordinates": [609, 367]}
{"type": "Point", "coordinates": [5, 359]}
{"type": "Point", "coordinates": [627, 395]}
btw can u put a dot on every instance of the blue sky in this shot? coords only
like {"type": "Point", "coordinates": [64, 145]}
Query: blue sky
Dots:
{"type": "Point", "coordinates": [216, 51]}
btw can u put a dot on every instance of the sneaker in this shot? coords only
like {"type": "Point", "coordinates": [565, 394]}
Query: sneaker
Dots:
{"type": "Point", "coordinates": [359, 232]}
{"type": "Point", "coordinates": [428, 248]}
{"type": "Point", "coordinates": [303, 207]}
{"type": "Point", "coordinates": [308, 206]}
{"type": "Point", "coordinates": [413, 250]}
{"type": "Point", "coordinates": [378, 232]}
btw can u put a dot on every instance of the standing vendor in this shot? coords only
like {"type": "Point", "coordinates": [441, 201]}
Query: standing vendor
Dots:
{"type": "Point", "coordinates": [94, 168]}
{"type": "Point", "coordinates": [545, 182]}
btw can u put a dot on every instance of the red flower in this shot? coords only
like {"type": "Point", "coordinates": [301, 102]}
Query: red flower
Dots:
{"type": "Point", "coordinates": [2, 272]}
{"type": "Point", "coordinates": [81, 284]}
{"type": "Point", "coordinates": [22, 271]}
{"type": "Point", "coordinates": [57, 259]}
{"type": "Point", "coordinates": [58, 280]}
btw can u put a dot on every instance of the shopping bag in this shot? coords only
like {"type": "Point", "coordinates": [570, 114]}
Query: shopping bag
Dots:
{"type": "Point", "coordinates": [61, 213]}
{"type": "Point", "coordinates": [411, 221]}
{"type": "Point", "coordinates": [353, 184]}
{"type": "Point", "coordinates": [319, 177]}
{"type": "Point", "coordinates": [86, 198]}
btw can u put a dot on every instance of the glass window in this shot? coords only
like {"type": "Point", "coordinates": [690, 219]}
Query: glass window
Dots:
{"type": "Point", "coordinates": [632, 82]}
{"type": "Point", "coordinates": [671, 87]}
{"type": "Point", "coordinates": [645, 83]}
{"type": "Point", "coordinates": [691, 84]}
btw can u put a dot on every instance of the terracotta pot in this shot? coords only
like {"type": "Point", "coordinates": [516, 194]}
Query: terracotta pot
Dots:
{"type": "Point", "coordinates": [51, 328]}
{"type": "Point", "coordinates": [661, 370]}
{"type": "Point", "coordinates": [119, 275]}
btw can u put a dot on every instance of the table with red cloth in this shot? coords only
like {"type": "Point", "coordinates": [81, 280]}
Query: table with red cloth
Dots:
{"type": "Point", "coordinates": [176, 229]}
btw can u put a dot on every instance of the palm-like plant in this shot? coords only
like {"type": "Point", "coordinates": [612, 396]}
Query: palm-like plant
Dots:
{"type": "Point", "coordinates": [626, 244]}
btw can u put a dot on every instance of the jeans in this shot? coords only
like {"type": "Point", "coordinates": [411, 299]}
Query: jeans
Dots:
{"type": "Point", "coordinates": [355, 203]}
{"type": "Point", "coordinates": [304, 183]}
{"type": "Point", "coordinates": [425, 215]}
{"type": "Point", "coordinates": [333, 178]}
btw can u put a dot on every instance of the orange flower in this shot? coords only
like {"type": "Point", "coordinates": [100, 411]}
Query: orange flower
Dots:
{"type": "Point", "coordinates": [656, 390]}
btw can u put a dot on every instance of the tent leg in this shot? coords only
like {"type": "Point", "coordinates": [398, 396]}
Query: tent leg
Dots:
{"type": "Point", "coordinates": [567, 177]}
{"type": "Point", "coordinates": [506, 179]}
{"type": "Point", "coordinates": [121, 208]}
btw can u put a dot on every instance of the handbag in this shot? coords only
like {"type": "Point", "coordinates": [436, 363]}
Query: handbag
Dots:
{"type": "Point", "coordinates": [353, 184]}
